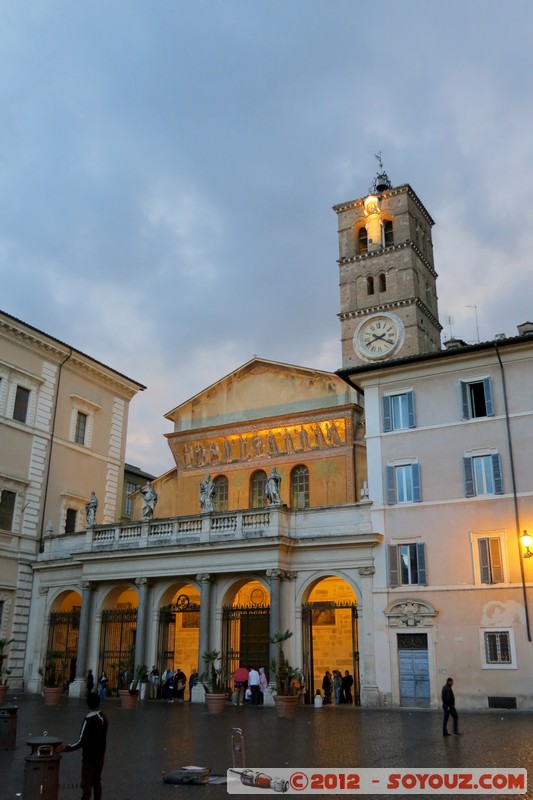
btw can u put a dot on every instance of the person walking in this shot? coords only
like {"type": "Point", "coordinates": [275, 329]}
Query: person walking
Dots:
{"type": "Point", "coordinates": [92, 741]}
{"type": "Point", "coordinates": [448, 706]}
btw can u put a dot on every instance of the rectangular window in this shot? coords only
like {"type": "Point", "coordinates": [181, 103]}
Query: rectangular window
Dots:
{"type": "Point", "coordinates": [483, 475]}
{"type": "Point", "coordinates": [128, 505]}
{"type": "Point", "coordinates": [490, 560]}
{"type": "Point", "coordinates": [7, 509]}
{"type": "Point", "coordinates": [407, 564]}
{"type": "Point", "coordinates": [22, 402]}
{"type": "Point", "coordinates": [398, 411]}
{"type": "Point", "coordinates": [498, 647]}
{"type": "Point", "coordinates": [70, 520]}
{"type": "Point", "coordinates": [476, 398]}
{"type": "Point", "coordinates": [81, 428]}
{"type": "Point", "coordinates": [403, 484]}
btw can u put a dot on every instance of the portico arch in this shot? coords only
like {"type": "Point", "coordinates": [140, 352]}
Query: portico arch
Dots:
{"type": "Point", "coordinates": [330, 627]}
{"type": "Point", "coordinates": [245, 625]}
{"type": "Point", "coordinates": [179, 627]}
{"type": "Point", "coordinates": [118, 633]}
{"type": "Point", "coordinates": [63, 630]}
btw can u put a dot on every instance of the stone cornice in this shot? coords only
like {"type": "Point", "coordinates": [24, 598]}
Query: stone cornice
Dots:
{"type": "Point", "coordinates": [403, 189]}
{"type": "Point", "coordinates": [410, 301]}
{"type": "Point", "coordinates": [386, 251]}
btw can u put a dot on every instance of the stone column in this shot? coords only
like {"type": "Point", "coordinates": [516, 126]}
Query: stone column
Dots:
{"type": "Point", "coordinates": [204, 638]}
{"type": "Point", "coordinates": [78, 687]}
{"type": "Point", "coordinates": [274, 576]}
{"type": "Point", "coordinates": [370, 695]}
{"type": "Point", "coordinates": [143, 585]}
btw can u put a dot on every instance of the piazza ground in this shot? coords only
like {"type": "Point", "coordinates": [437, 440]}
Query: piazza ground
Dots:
{"type": "Point", "coordinates": [160, 737]}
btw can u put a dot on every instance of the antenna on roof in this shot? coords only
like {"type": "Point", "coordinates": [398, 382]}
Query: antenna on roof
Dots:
{"type": "Point", "coordinates": [477, 326]}
{"type": "Point", "coordinates": [450, 320]}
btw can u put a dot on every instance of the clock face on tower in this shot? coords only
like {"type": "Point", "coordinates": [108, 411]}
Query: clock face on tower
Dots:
{"type": "Point", "coordinates": [378, 336]}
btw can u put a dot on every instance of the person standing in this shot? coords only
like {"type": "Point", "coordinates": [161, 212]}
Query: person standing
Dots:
{"type": "Point", "coordinates": [92, 741]}
{"type": "Point", "coordinates": [347, 683]}
{"type": "Point", "coordinates": [337, 686]}
{"type": "Point", "coordinates": [153, 679]}
{"type": "Point", "coordinates": [327, 685]}
{"type": "Point", "coordinates": [448, 706]}
{"type": "Point", "coordinates": [102, 685]}
{"type": "Point", "coordinates": [253, 685]}
{"type": "Point", "coordinates": [90, 682]}
{"type": "Point", "coordinates": [263, 685]}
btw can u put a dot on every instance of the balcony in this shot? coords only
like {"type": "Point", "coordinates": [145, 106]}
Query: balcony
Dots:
{"type": "Point", "coordinates": [216, 529]}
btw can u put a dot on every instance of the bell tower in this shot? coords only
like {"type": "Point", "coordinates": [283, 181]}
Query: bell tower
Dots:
{"type": "Point", "coordinates": [388, 293]}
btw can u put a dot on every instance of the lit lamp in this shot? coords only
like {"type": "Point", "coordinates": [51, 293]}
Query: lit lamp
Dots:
{"type": "Point", "coordinates": [526, 541]}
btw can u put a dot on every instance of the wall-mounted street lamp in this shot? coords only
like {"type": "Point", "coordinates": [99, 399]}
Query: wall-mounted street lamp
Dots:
{"type": "Point", "coordinates": [526, 542]}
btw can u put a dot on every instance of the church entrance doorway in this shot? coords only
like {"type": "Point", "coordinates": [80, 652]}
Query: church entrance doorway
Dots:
{"type": "Point", "coordinates": [63, 630]}
{"type": "Point", "coordinates": [179, 628]}
{"type": "Point", "coordinates": [245, 629]}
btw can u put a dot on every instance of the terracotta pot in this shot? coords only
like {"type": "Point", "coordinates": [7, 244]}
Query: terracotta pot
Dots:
{"type": "Point", "coordinates": [52, 695]}
{"type": "Point", "coordinates": [128, 700]}
{"type": "Point", "coordinates": [216, 703]}
{"type": "Point", "coordinates": [3, 692]}
{"type": "Point", "coordinates": [286, 704]}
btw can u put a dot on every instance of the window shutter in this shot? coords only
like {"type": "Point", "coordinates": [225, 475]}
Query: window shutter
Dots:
{"type": "Point", "coordinates": [489, 405]}
{"type": "Point", "coordinates": [394, 569]}
{"type": "Point", "coordinates": [391, 485]}
{"type": "Point", "coordinates": [387, 414]}
{"type": "Point", "coordinates": [421, 563]}
{"type": "Point", "coordinates": [417, 488]}
{"type": "Point", "coordinates": [496, 560]}
{"type": "Point", "coordinates": [469, 477]}
{"type": "Point", "coordinates": [497, 473]}
{"type": "Point", "coordinates": [411, 408]}
{"type": "Point", "coordinates": [484, 561]}
{"type": "Point", "coordinates": [464, 400]}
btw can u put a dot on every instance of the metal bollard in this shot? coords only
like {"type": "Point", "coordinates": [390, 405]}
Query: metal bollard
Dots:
{"type": "Point", "coordinates": [41, 773]}
{"type": "Point", "coordinates": [8, 727]}
{"type": "Point", "coordinates": [237, 745]}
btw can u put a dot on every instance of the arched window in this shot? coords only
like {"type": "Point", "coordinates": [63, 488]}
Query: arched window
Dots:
{"type": "Point", "coordinates": [362, 241]}
{"type": "Point", "coordinates": [257, 489]}
{"type": "Point", "coordinates": [388, 233]}
{"type": "Point", "coordinates": [369, 284]}
{"type": "Point", "coordinates": [300, 487]}
{"type": "Point", "coordinates": [382, 282]}
{"type": "Point", "coordinates": [220, 500]}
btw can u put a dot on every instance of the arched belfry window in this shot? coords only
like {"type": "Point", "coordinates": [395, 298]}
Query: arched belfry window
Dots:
{"type": "Point", "coordinates": [369, 284]}
{"type": "Point", "coordinates": [362, 241]}
{"type": "Point", "coordinates": [382, 279]}
{"type": "Point", "coordinates": [388, 233]}
{"type": "Point", "coordinates": [257, 489]}
{"type": "Point", "coordinates": [300, 487]}
{"type": "Point", "coordinates": [220, 500]}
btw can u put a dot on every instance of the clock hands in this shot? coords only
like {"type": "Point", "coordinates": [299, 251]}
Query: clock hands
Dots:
{"type": "Point", "coordinates": [380, 336]}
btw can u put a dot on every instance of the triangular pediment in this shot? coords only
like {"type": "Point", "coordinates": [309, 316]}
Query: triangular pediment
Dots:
{"type": "Point", "coordinates": [259, 389]}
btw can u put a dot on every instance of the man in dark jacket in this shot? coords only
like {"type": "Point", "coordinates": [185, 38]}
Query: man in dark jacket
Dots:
{"type": "Point", "coordinates": [448, 706]}
{"type": "Point", "coordinates": [92, 741]}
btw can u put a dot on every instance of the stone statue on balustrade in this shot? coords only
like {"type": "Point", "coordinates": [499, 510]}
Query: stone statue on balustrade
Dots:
{"type": "Point", "coordinates": [149, 496]}
{"type": "Point", "coordinates": [207, 494]}
{"type": "Point", "coordinates": [273, 488]}
{"type": "Point", "coordinates": [90, 510]}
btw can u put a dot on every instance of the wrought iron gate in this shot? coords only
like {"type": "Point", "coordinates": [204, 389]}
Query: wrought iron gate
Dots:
{"type": "Point", "coordinates": [310, 617]}
{"type": "Point", "coordinates": [167, 628]}
{"type": "Point", "coordinates": [245, 637]}
{"type": "Point", "coordinates": [117, 643]}
{"type": "Point", "coordinates": [63, 634]}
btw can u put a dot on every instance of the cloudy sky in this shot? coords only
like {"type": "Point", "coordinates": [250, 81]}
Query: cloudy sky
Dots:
{"type": "Point", "coordinates": [167, 171]}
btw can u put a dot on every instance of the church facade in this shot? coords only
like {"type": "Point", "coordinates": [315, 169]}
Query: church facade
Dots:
{"type": "Point", "coordinates": [375, 513]}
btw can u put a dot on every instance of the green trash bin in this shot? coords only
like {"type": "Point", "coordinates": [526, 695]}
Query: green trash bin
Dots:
{"type": "Point", "coordinates": [41, 773]}
{"type": "Point", "coordinates": [8, 727]}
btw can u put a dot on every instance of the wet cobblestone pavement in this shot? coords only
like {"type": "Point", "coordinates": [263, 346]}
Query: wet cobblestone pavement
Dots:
{"type": "Point", "coordinates": [158, 737]}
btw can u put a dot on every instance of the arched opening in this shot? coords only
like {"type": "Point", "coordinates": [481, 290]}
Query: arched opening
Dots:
{"type": "Point", "coordinates": [245, 628]}
{"type": "Point", "coordinates": [179, 631]}
{"type": "Point", "coordinates": [220, 501]}
{"type": "Point", "coordinates": [369, 284]}
{"type": "Point", "coordinates": [117, 638]}
{"type": "Point", "coordinates": [362, 241]}
{"type": "Point", "coordinates": [331, 640]}
{"type": "Point", "coordinates": [382, 279]}
{"type": "Point", "coordinates": [388, 233]}
{"type": "Point", "coordinates": [300, 487]}
{"type": "Point", "coordinates": [257, 489]}
{"type": "Point", "coordinates": [63, 632]}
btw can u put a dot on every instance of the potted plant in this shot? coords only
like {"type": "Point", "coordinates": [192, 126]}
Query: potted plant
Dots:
{"type": "Point", "coordinates": [286, 697]}
{"type": "Point", "coordinates": [214, 682]}
{"type": "Point", "coordinates": [129, 697]}
{"type": "Point", "coordinates": [4, 672]}
{"type": "Point", "coordinates": [53, 674]}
